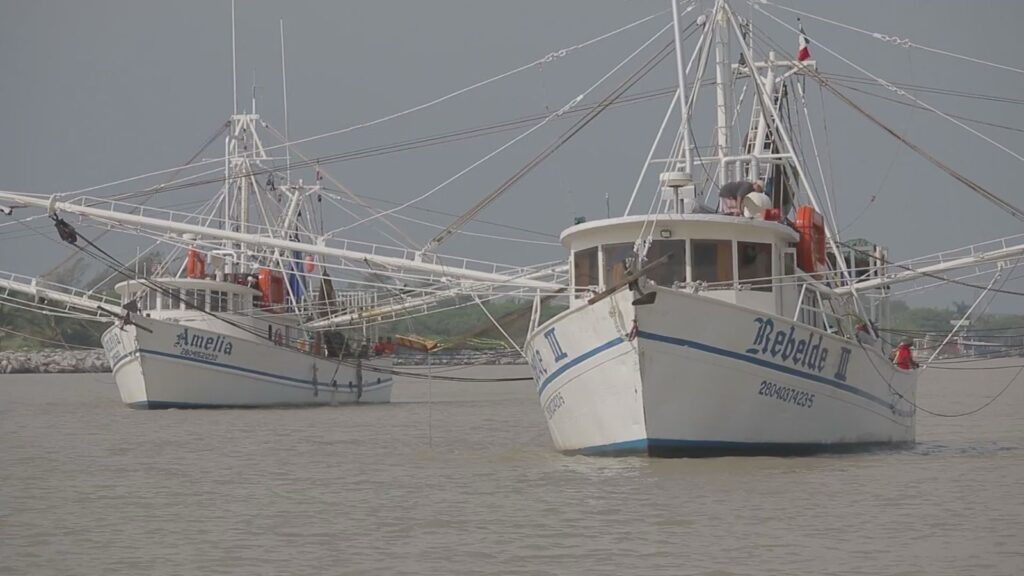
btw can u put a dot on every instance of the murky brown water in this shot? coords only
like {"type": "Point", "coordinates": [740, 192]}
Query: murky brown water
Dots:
{"type": "Point", "coordinates": [469, 484]}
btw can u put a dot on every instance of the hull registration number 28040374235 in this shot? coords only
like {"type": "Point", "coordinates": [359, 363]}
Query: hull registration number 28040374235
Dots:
{"type": "Point", "coordinates": [786, 394]}
{"type": "Point", "coordinates": [553, 404]}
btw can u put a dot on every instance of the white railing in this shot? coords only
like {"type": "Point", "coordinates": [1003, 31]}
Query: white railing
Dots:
{"type": "Point", "coordinates": [816, 307]}
{"type": "Point", "coordinates": [958, 253]}
{"type": "Point", "coordinates": [56, 297]}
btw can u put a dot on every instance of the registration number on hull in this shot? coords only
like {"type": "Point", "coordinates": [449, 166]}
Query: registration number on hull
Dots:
{"type": "Point", "coordinates": [785, 394]}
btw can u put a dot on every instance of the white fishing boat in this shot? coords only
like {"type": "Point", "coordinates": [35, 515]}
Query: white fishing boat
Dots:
{"type": "Point", "coordinates": [737, 327]}
{"type": "Point", "coordinates": [251, 317]}
{"type": "Point", "coordinates": [173, 356]}
{"type": "Point", "coordinates": [728, 319]}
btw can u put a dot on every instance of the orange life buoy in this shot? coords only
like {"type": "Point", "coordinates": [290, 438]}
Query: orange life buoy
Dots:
{"type": "Point", "coordinates": [271, 286]}
{"type": "Point", "coordinates": [195, 264]}
{"type": "Point", "coordinates": [810, 250]}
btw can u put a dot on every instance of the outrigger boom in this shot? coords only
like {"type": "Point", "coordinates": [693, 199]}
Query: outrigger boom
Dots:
{"type": "Point", "coordinates": [53, 205]}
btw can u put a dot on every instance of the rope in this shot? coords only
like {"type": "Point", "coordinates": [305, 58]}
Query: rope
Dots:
{"type": "Point", "coordinates": [895, 40]}
{"type": "Point", "coordinates": [547, 58]}
{"type": "Point", "coordinates": [560, 141]}
{"type": "Point", "coordinates": [571, 104]}
{"type": "Point", "coordinates": [933, 413]}
{"type": "Point", "coordinates": [1017, 213]}
{"type": "Point", "coordinates": [439, 227]}
{"type": "Point", "coordinates": [916, 107]}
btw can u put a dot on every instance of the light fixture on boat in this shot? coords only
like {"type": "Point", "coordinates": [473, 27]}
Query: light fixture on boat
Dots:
{"type": "Point", "coordinates": [665, 233]}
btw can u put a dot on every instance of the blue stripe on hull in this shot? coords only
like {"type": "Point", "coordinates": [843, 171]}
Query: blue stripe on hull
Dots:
{"type": "Point", "coordinates": [162, 405]}
{"type": "Point", "coordinates": [370, 386]}
{"type": "Point", "coordinates": [577, 360]}
{"type": "Point", "coordinates": [325, 387]}
{"type": "Point", "coordinates": [306, 382]}
{"type": "Point", "coordinates": [669, 448]}
{"type": "Point", "coordinates": [159, 405]}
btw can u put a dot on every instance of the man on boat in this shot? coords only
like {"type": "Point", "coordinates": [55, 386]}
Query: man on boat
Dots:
{"type": "Point", "coordinates": [730, 196]}
{"type": "Point", "coordinates": [865, 334]}
{"type": "Point", "coordinates": [903, 358]}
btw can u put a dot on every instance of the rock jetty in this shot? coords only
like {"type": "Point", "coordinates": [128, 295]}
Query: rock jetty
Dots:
{"type": "Point", "coordinates": [60, 361]}
{"type": "Point", "coordinates": [458, 357]}
{"type": "Point", "coordinates": [53, 361]}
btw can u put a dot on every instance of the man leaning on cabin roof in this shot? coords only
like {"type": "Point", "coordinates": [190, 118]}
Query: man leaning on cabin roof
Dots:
{"type": "Point", "coordinates": [730, 196]}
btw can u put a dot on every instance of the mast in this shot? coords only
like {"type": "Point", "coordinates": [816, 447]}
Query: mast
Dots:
{"type": "Point", "coordinates": [723, 90]}
{"type": "Point", "coordinates": [684, 118]}
{"type": "Point", "coordinates": [780, 130]}
{"type": "Point", "coordinates": [762, 117]}
{"type": "Point", "coordinates": [234, 73]}
{"type": "Point", "coordinates": [284, 94]}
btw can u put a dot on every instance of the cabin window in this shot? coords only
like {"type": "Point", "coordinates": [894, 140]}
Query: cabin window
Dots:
{"type": "Point", "coordinates": [584, 268]}
{"type": "Point", "coordinates": [236, 302]}
{"type": "Point", "coordinates": [256, 301]}
{"type": "Point", "coordinates": [789, 264]}
{"type": "Point", "coordinates": [712, 260]}
{"type": "Point", "coordinates": [672, 271]}
{"type": "Point", "coordinates": [615, 256]}
{"type": "Point", "coordinates": [755, 265]}
{"type": "Point", "coordinates": [173, 297]}
{"type": "Point", "coordinates": [150, 300]}
{"type": "Point", "coordinates": [218, 301]}
{"type": "Point", "coordinates": [195, 299]}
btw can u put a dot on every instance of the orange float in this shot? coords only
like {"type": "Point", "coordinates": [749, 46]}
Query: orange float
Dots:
{"type": "Point", "coordinates": [271, 286]}
{"type": "Point", "coordinates": [195, 264]}
{"type": "Point", "coordinates": [810, 249]}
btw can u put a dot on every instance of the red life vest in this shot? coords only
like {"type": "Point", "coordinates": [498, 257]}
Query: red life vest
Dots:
{"type": "Point", "coordinates": [904, 359]}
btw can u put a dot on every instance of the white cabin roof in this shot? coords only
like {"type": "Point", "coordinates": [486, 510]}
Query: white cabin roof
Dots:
{"type": "Point", "coordinates": [678, 226]}
{"type": "Point", "coordinates": [130, 286]}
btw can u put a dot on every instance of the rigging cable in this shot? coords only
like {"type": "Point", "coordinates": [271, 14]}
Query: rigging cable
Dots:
{"type": "Point", "coordinates": [170, 178]}
{"type": "Point", "coordinates": [1006, 206]}
{"type": "Point", "coordinates": [550, 57]}
{"type": "Point", "coordinates": [571, 104]}
{"type": "Point", "coordinates": [894, 40]}
{"type": "Point", "coordinates": [554, 146]}
{"type": "Point", "coordinates": [932, 412]}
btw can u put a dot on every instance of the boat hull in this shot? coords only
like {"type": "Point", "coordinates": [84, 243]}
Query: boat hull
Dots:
{"type": "Point", "coordinates": [699, 377]}
{"type": "Point", "coordinates": [169, 365]}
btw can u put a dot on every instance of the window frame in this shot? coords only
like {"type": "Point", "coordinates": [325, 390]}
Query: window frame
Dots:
{"type": "Point", "coordinates": [761, 282]}
{"type": "Point", "coordinates": [718, 283]}
{"type": "Point", "coordinates": [608, 265]}
{"type": "Point", "coordinates": [594, 269]}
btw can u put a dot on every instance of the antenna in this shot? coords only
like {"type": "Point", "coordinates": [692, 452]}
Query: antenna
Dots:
{"type": "Point", "coordinates": [284, 89]}
{"type": "Point", "coordinates": [253, 90]}
{"type": "Point", "coordinates": [234, 74]}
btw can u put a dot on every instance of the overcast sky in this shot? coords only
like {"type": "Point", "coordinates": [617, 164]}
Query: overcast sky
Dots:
{"type": "Point", "coordinates": [98, 90]}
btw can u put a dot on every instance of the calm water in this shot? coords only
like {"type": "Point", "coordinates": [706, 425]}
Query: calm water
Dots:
{"type": "Point", "coordinates": [468, 483]}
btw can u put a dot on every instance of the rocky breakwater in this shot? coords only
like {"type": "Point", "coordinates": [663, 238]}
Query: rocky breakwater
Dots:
{"type": "Point", "coordinates": [53, 361]}
{"type": "Point", "coordinates": [459, 358]}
